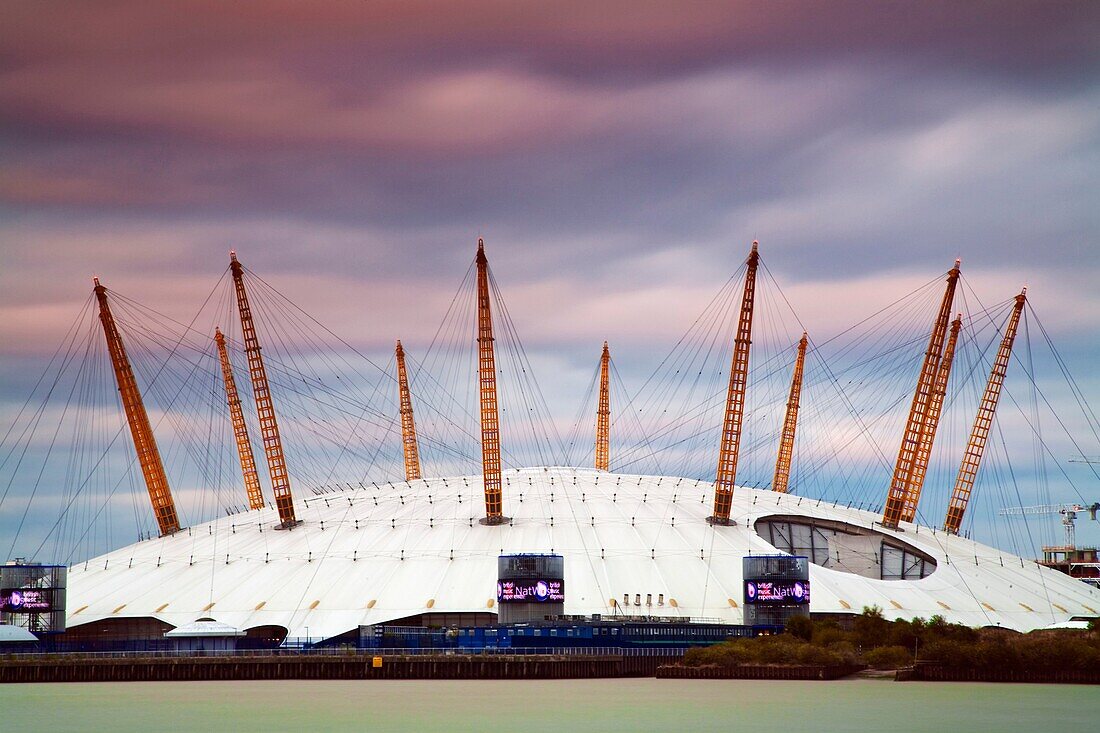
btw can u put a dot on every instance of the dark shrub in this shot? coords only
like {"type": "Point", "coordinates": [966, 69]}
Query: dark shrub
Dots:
{"type": "Point", "coordinates": [888, 657]}
{"type": "Point", "coordinates": [801, 627]}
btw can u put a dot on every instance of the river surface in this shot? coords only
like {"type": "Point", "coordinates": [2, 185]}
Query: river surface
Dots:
{"type": "Point", "coordinates": [557, 706]}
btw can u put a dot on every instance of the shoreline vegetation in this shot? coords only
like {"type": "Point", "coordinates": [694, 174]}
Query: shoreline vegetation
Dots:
{"type": "Point", "coordinates": [924, 648]}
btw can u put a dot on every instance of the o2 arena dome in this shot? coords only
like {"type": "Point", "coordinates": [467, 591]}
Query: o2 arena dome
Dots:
{"type": "Point", "coordinates": [633, 546]}
{"type": "Point", "coordinates": [310, 557]}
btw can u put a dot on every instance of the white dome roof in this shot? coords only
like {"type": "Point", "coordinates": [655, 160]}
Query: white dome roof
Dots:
{"type": "Point", "coordinates": [388, 551]}
{"type": "Point", "coordinates": [204, 627]}
{"type": "Point", "coordinates": [10, 633]}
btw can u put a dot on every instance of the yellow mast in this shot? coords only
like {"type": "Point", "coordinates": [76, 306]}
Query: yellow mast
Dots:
{"type": "Point", "coordinates": [735, 399]}
{"type": "Point", "coordinates": [487, 381]}
{"type": "Point", "coordinates": [269, 426]}
{"type": "Point", "coordinates": [408, 426]}
{"type": "Point", "coordinates": [900, 483]}
{"type": "Point", "coordinates": [152, 467]}
{"type": "Point", "coordinates": [983, 422]}
{"type": "Point", "coordinates": [603, 414]}
{"type": "Point", "coordinates": [931, 424]}
{"type": "Point", "coordinates": [240, 429]}
{"type": "Point", "coordinates": [790, 423]}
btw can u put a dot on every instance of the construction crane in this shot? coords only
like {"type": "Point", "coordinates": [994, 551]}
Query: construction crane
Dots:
{"type": "Point", "coordinates": [790, 422]}
{"type": "Point", "coordinates": [487, 383]}
{"type": "Point", "coordinates": [240, 429]}
{"type": "Point", "coordinates": [603, 414]}
{"type": "Point", "coordinates": [1068, 511]}
{"type": "Point", "coordinates": [931, 423]}
{"type": "Point", "coordinates": [983, 423]}
{"type": "Point", "coordinates": [735, 398]}
{"type": "Point", "coordinates": [899, 500]}
{"type": "Point", "coordinates": [152, 467]}
{"type": "Point", "coordinates": [265, 406]}
{"type": "Point", "coordinates": [408, 425]}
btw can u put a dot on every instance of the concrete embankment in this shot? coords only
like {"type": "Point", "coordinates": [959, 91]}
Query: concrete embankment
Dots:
{"type": "Point", "coordinates": [759, 672]}
{"type": "Point", "coordinates": [941, 673]}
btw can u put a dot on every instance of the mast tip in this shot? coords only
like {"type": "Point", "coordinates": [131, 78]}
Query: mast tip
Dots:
{"type": "Point", "coordinates": [232, 255]}
{"type": "Point", "coordinates": [95, 280]}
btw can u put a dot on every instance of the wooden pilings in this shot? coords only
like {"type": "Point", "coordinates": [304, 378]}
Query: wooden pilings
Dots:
{"type": "Point", "coordinates": [759, 672]}
{"type": "Point", "coordinates": [73, 668]}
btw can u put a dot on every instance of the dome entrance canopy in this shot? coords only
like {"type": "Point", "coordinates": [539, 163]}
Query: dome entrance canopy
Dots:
{"type": "Point", "coordinates": [846, 547]}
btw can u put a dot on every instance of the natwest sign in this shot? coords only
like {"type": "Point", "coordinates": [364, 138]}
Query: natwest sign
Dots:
{"type": "Point", "coordinates": [777, 591]}
{"type": "Point", "coordinates": [531, 591]}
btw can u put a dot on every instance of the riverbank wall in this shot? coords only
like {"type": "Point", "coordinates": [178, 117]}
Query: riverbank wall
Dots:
{"type": "Point", "coordinates": [759, 672]}
{"type": "Point", "coordinates": [926, 672]}
{"type": "Point", "coordinates": [93, 668]}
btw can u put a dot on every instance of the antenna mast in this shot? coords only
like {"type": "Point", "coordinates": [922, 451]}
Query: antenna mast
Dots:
{"type": "Point", "coordinates": [269, 426]}
{"type": "Point", "coordinates": [931, 424]}
{"type": "Point", "coordinates": [152, 467]}
{"type": "Point", "coordinates": [408, 426]}
{"type": "Point", "coordinates": [240, 429]}
{"type": "Point", "coordinates": [900, 484]}
{"type": "Point", "coordinates": [983, 422]}
{"type": "Point", "coordinates": [487, 381]}
{"type": "Point", "coordinates": [790, 423]}
{"type": "Point", "coordinates": [735, 399]}
{"type": "Point", "coordinates": [603, 414]}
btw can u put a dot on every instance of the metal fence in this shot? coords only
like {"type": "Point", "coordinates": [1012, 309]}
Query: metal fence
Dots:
{"type": "Point", "coordinates": [608, 651]}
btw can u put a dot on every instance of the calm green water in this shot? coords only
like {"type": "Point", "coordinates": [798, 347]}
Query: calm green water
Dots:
{"type": "Point", "coordinates": [687, 706]}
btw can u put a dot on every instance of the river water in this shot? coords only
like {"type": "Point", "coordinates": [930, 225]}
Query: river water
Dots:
{"type": "Point", "coordinates": [558, 706]}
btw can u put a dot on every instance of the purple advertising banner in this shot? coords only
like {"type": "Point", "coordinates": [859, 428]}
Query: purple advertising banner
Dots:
{"type": "Point", "coordinates": [531, 591]}
{"type": "Point", "coordinates": [25, 600]}
{"type": "Point", "coordinates": [782, 591]}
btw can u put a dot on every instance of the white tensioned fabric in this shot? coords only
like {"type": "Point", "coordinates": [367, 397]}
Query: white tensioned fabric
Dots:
{"type": "Point", "coordinates": [368, 555]}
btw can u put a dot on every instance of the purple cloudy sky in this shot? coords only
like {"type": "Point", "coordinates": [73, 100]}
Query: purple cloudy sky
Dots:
{"type": "Point", "coordinates": [617, 157]}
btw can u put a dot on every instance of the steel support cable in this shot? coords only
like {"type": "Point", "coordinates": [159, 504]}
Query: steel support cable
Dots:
{"type": "Point", "coordinates": [286, 341]}
{"type": "Point", "coordinates": [414, 368]}
{"type": "Point", "coordinates": [1086, 409]}
{"type": "Point", "coordinates": [816, 351]}
{"type": "Point", "coordinates": [449, 338]}
{"type": "Point", "coordinates": [623, 397]}
{"type": "Point", "coordinates": [1008, 392]}
{"type": "Point", "coordinates": [452, 351]}
{"type": "Point", "coordinates": [352, 421]}
{"type": "Point", "coordinates": [584, 409]}
{"type": "Point", "coordinates": [36, 417]}
{"type": "Point", "coordinates": [293, 332]}
{"type": "Point", "coordinates": [205, 336]}
{"type": "Point", "coordinates": [1028, 364]}
{"type": "Point", "coordinates": [527, 425]}
{"type": "Point", "coordinates": [538, 399]}
{"type": "Point", "coordinates": [113, 439]}
{"type": "Point", "coordinates": [302, 453]}
{"type": "Point", "coordinates": [1029, 371]}
{"type": "Point", "coordinates": [180, 391]}
{"type": "Point", "coordinates": [49, 450]}
{"type": "Point", "coordinates": [690, 357]}
{"type": "Point", "coordinates": [450, 341]}
{"type": "Point", "coordinates": [70, 335]}
{"type": "Point", "coordinates": [677, 354]}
